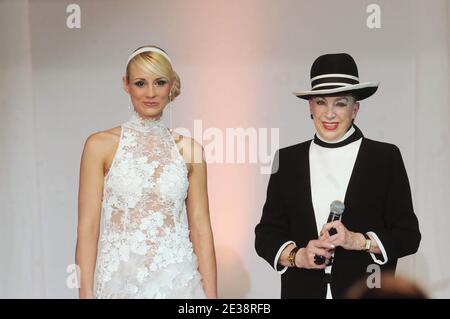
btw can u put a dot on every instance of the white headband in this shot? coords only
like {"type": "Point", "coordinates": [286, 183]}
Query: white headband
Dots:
{"type": "Point", "coordinates": [149, 49]}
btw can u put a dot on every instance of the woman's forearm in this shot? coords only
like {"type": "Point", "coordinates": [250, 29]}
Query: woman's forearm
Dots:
{"type": "Point", "coordinates": [86, 256]}
{"type": "Point", "coordinates": [203, 244]}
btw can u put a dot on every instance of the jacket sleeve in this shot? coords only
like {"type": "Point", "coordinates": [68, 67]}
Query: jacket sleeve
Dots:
{"type": "Point", "coordinates": [272, 231]}
{"type": "Point", "coordinates": [401, 235]}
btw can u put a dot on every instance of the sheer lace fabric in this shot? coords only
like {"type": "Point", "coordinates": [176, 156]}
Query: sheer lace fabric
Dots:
{"type": "Point", "coordinates": [144, 248]}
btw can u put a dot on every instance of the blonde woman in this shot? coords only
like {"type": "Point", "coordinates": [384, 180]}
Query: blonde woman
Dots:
{"type": "Point", "coordinates": [143, 220]}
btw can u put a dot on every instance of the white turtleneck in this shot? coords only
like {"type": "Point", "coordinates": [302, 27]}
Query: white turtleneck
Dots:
{"type": "Point", "coordinates": [330, 170]}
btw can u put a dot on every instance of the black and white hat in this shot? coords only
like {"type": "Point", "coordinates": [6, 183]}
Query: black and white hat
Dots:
{"type": "Point", "coordinates": [333, 74]}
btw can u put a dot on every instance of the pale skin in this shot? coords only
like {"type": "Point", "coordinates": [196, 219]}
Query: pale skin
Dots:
{"type": "Point", "coordinates": [332, 116]}
{"type": "Point", "coordinates": [96, 160]}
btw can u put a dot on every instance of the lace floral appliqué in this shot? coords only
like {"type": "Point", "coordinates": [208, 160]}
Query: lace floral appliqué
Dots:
{"type": "Point", "coordinates": [144, 248]}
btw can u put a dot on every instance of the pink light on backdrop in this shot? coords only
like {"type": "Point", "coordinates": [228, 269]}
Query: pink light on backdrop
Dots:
{"type": "Point", "coordinates": [222, 50]}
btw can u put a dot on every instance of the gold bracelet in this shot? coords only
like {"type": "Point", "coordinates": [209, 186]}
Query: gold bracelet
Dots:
{"type": "Point", "coordinates": [292, 254]}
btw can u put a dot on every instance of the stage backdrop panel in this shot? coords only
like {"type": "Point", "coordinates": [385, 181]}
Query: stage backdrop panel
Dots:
{"type": "Point", "coordinates": [239, 62]}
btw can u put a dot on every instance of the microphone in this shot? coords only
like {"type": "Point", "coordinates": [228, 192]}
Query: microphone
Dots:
{"type": "Point", "coordinates": [336, 209]}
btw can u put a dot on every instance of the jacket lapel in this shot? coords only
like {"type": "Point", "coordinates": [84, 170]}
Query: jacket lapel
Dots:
{"type": "Point", "coordinates": [299, 198]}
{"type": "Point", "coordinates": [357, 170]}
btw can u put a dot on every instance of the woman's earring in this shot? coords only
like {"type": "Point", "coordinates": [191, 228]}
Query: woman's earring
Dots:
{"type": "Point", "coordinates": [170, 96]}
{"type": "Point", "coordinates": [311, 116]}
{"type": "Point", "coordinates": [129, 107]}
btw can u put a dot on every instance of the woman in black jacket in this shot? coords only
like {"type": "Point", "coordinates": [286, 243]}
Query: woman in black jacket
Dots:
{"type": "Point", "coordinates": [367, 179]}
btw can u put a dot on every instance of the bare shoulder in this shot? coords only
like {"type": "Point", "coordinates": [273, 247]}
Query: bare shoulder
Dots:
{"type": "Point", "coordinates": [190, 149]}
{"type": "Point", "coordinates": [103, 142]}
{"type": "Point", "coordinates": [187, 142]}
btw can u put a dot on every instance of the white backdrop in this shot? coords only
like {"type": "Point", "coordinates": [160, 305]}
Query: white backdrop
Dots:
{"type": "Point", "coordinates": [238, 61]}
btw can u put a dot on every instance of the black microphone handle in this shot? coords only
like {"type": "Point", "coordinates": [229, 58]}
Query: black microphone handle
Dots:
{"type": "Point", "coordinates": [333, 217]}
{"type": "Point", "coordinates": [319, 260]}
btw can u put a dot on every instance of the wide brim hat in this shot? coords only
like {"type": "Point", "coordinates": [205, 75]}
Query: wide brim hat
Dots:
{"type": "Point", "coordinates": [337, 74]}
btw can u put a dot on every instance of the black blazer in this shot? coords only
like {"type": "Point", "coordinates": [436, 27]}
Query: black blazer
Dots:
{"type": "Point", "coordinates": [378, 199]}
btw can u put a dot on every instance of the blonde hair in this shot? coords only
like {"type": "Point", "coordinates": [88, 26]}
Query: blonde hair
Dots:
{"type": "Point", "coordinates": [154, 62]}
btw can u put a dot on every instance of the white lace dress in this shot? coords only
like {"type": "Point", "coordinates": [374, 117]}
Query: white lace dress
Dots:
{"type": "Point", "coordinates": [144, 249]}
